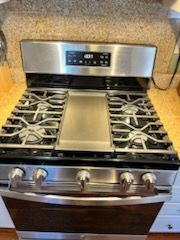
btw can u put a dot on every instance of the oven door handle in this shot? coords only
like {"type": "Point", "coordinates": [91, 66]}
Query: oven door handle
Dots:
{"type": "Point", "coordinates": [85, 201]}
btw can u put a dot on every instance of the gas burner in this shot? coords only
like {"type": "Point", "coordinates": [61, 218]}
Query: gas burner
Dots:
{"type": "Point", "coordinates": [137, 138]}
{"type": "Point", "coordinates": [34, 123]}
{"type": "Point", "coordinates": [42, 100]}
{"type": "Point", "coordinates": [43, 106]}
{"type": "Point", "coordinates": [129, 109]}
{"type": "Point", "coordinates": [32, 134]}
{"type": "Point", "coordinates": [133, 108]}
{"type": "Point", "coordinates": [136, 127]}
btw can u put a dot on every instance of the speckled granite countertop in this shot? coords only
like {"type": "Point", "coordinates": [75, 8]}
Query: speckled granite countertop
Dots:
{"type": "Point", "coordinates": [166, 103]}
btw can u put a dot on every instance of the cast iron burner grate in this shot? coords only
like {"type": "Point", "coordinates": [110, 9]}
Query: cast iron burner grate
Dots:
{"type": "Point", "coordinates": [34, 122]}
{"type": "Point", "coordinates": [136, 128]}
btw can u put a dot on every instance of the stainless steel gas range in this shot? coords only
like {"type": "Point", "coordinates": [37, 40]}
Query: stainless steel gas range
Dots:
{"type": "Point", "coordinates": [83, 154]}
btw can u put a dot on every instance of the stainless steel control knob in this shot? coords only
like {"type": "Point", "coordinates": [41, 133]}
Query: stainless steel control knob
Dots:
{"type": "Point", "coordinates": [15, 176]}
{"type": "Point", "coordinates": [126, 179]}
{"type": "Point", "coordinates": [39, 176]}
{"type": "Point", "coordinates": [149, 180]}
{"type": "Point", "coordinates": [83, 177]}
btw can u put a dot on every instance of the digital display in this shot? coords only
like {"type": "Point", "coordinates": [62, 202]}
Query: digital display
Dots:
{"type": "Point", "coordinates": [88, 56]}
{"type": "Point", "coordinates": [92, 59]}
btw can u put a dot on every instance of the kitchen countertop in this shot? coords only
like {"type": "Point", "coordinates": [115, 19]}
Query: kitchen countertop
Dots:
{"type": "Point", "coordinates": [166, 103]}
{"type": "Point", "coordinates": [8, 234]}
{"type": "Point", "coordinates": [8, 102]}
{"type": "Point", "coordinates": [163, 236]}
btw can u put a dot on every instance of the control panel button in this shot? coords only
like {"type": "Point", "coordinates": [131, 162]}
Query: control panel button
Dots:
{"type": "Point", "coordinates": [126, 179]}
{"type": "Point", "coordinates": [15, 176]}
{"type": "Point", "coordinates": [83, 177]}
{"type": "Point", "coordinates": [149, 180]}
{"type": "Point", "coordinates": [39, 176]}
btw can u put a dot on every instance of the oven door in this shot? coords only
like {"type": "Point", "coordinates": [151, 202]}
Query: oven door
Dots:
{"type": "Point", "coordinates": [64, 217]}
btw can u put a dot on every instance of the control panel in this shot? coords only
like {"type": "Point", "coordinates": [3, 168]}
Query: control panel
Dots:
{"type": "Point", "coordinates": [85, 179]}
{"type": "Point", "coordinates": [79, 58]}
{"type": "Point", "coordinates": [91, 59]}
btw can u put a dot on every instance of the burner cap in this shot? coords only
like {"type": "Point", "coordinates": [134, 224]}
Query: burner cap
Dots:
{"type": "Point", "coordinates": [129, 109]}
{"type": "Point", "coordinates": [137, 137]}
{"type": "Point", "coordinates": [43, 106]}
{"type": "Point", "coordinates": [32, 134]}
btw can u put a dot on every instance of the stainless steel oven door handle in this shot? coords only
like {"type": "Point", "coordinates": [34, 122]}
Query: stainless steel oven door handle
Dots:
{"type": "Point", "coordinates": [85, 201]}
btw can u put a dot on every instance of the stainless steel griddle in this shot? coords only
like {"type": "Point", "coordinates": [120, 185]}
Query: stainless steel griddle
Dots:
{"type": "Point", "coordinates": [85, 125]}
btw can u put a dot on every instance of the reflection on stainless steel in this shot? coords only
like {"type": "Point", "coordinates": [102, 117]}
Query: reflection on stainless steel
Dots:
{"type": "Point", "coordinates": [85, 125]}
{"type": "Point", "coordinates": [49, 57]}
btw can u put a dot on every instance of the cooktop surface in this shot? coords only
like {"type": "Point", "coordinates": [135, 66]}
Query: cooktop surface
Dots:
{"type": "Point", "coordinates": [53, 123]}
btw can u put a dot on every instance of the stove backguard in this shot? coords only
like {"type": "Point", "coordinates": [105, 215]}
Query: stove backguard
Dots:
{"type": "Point", "coordinates": [87, 65]}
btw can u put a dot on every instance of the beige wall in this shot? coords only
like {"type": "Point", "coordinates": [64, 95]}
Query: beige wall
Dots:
{"type": "Point", "coordinates": [129, 21]}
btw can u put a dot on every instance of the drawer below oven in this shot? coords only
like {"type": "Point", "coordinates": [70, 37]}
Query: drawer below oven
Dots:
{"type": "Point", "coordinates": [71, 236]}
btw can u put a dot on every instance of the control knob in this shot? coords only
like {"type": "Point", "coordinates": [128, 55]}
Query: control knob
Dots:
{"type": "Point", "coordinates": [15, 176]}
{"type": "Point", "coordinates": [39, 176]}
{"type": "Point", "coordinates": [83, 177]}
{"type": "Point", "coordinates": [126, 179]}
{"type": "Point", "coordinates": [149, 180]}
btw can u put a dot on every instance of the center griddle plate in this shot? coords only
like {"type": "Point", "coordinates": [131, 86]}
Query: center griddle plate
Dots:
{"type": "Point", "coordinates": [85, 125]}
